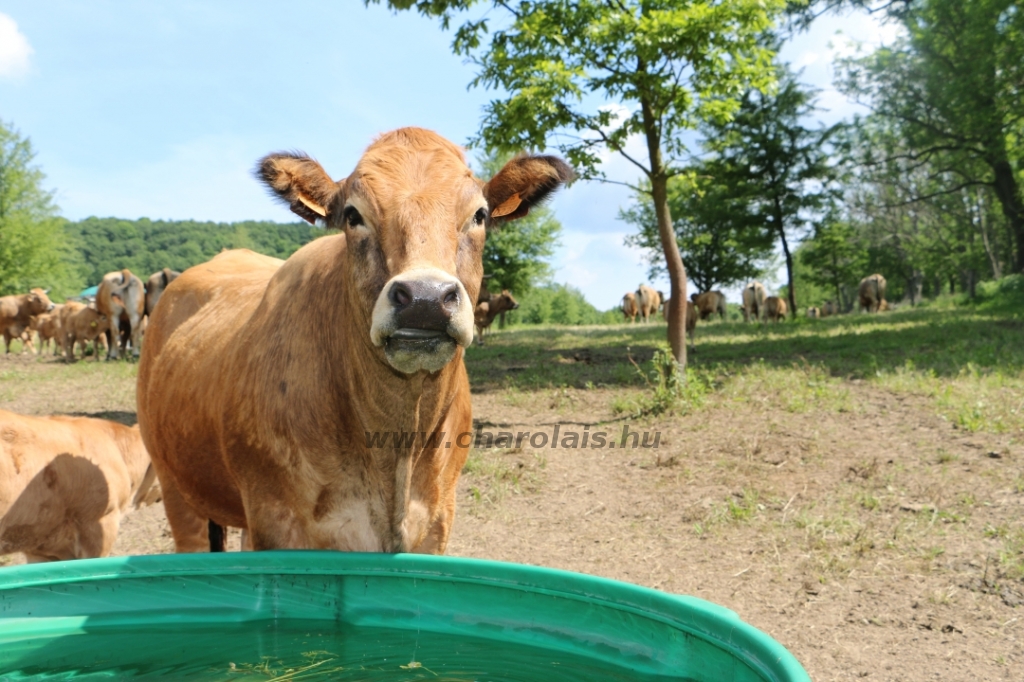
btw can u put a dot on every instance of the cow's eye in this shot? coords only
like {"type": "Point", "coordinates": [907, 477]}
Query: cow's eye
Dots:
{"type": "Point", "coordinates": [481, 216]}
{"type": "Point", "coordinates": [352, 216]}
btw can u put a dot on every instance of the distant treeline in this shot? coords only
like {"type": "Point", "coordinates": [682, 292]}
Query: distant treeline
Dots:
{"type": "Point", "coordinates": [145, 246]}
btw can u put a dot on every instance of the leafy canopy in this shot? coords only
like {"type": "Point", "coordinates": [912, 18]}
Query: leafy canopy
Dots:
{"type": "Point", "coordinates": [32, 249]}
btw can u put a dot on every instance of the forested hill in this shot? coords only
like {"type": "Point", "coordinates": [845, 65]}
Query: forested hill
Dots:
{"type": "Point", "coordinates": [145, 246]}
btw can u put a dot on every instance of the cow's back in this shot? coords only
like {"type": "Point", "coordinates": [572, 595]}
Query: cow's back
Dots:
{"type": "Point", "coordinates": [197, 369]}
{"type": "Point", "coordinates": [59, 478]}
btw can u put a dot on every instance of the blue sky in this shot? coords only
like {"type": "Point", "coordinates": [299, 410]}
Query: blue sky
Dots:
{"type": "Point", "coordinates": [161, 109]}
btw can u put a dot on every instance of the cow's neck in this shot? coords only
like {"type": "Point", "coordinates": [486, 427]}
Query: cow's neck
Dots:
{"type": "Point", "coordinates": [389, 403]}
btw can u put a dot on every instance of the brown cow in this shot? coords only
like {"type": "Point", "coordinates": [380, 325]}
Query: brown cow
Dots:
{"type": "Point", "coordinates": [775, 308]}
{"type": "Point", "coordinates": [871, 293]}
{"type": "Point", "coordinates": [487, 310]}
{"type": "Point", "coordinates": [630, 309]}
{"type": "Point", "coordinates": [155, 286]}
{"type": "Point", "coordinates": [277, 396]}
{"type": "Point", "coordinates": [709, 303]}
{"type": "Point", "coordinates": [47, 326]}
{"type": "Point", "coordinates": [16, 313]}
{"type": "Point", "coordinates": [648, 302]}
{"type": "Point", "coordinates": [65, 482]}
{"type": "Point", "coordinates": [122, 298]}
{"type": "Point", "coordinates": [80, 324]}
{"type": "Point", "coordinates": [829, 308]}
{"type": "Point", "coordinates": [754, 296]}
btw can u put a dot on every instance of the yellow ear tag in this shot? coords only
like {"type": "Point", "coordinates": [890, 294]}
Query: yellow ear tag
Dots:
{"type": "Point", "coordinates": [508, 206]}
{"type": "Point", "coordinates": [315, 208]}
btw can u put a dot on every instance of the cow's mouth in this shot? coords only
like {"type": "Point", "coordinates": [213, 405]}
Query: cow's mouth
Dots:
{"type": "Point", "coordinates": [409, 349]}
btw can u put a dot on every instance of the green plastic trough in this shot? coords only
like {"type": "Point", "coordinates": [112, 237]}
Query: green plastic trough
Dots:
{"type": "Point", "coordinates": [302, 616]}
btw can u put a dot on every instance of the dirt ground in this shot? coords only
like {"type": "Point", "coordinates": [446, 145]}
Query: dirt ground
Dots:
{"type": "Point", "coordinates": [865, 533]}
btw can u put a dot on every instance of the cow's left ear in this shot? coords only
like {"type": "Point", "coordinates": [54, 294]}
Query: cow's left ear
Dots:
{"type": "Point", "coordinates": [300, 182]}
{"type": "Point", "coordinates": [523, 183]}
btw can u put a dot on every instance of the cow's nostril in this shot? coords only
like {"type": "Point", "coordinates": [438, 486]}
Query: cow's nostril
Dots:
{"type": "Point", "coordinates": [400, 295]}
{"type": "Point", "coordinates": [451, 297]}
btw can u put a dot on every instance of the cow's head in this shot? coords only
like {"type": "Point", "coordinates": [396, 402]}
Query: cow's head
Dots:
{"type": "Point", "coordinates": [504, 302]}
{"type": "Point", "coordinates": [415, 221]}
{"type": "Point", "coordinates": [39, 302]}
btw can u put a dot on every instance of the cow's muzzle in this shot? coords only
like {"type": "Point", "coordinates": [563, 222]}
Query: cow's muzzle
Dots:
{"type": "Point", "coordinates": [421, 316]}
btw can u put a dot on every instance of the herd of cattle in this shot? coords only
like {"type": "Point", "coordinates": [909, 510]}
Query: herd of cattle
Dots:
{"type": "Point", "coordinates": [262, 380]}
{"type": "Point", "coordinates": [757, 304]}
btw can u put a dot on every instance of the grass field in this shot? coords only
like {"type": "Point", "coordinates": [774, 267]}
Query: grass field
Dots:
{"type": "Point", "coordinates": [854, 486]}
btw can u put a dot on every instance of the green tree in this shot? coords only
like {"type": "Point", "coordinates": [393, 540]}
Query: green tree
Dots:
{"type": "Point", "coordinates": [951, 91]}
{"type": "Point", "coordinates": [32, 253]}
{"type": "Point", "coordinates": [588, 76]}
{"type": "Point", "coordinates": [515, 255]}
{"type": "Point", "coordinates": [782, 169]}
{"type": "Point", "coordinates": [719, 240]}
{"type": "Point", "coordinates": [833, 258]}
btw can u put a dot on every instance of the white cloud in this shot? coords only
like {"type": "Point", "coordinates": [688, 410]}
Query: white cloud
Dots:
{"type": "Point", "coordinates": [14, 49]}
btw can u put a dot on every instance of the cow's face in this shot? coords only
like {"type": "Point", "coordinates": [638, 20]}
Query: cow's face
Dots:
{"type": "Point", "coordinates": [414, 220]}
{"type": "Point", "coordinates": [39, 302]}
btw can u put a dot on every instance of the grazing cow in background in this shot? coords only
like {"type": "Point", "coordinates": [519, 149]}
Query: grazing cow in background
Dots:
{"type": "Point", "coordinates": [487, 310]}
{"type": "Point", "coordinates": [155, 286]}
{"type": "Point", "coordinates": [630, 309]}
{"type": "Point", "coordinates": [648, 301]}
{"type": "Point", "coordinates": [80, 324]}
{"type": "Point", "coordinates": [16, 313]}
{"type": "Point", "coordinates": [269, 391]}
{"type": "Point", "coordinates": [47, 326]}
{"type": "Point", "coordinates": [65, 482]}
{"type": "Point", "coordinates": [122, 299]}
{"type": "Point", "coordinates": [709, 303]}
{"type": "Point", "coordinates": [813, 313]}
{"type": "Point", "coordinates": [829, 308]}
{"type": "Point", "coordinates": [754, 296]}
{"type": "Point", "coordinates": [775, 308]}
{"type": "Point", "coordinates": [871, 293]}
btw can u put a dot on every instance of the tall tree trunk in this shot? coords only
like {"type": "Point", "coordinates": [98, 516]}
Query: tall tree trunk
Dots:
{"type": "Point", "coordinates": [993, 259]}
{"type": "Point", "coordinates": [777, 214]}
{"type": "Point", "coordinates": [669, 246]}
{"type": "Point", "coordinates": [1008, 194]}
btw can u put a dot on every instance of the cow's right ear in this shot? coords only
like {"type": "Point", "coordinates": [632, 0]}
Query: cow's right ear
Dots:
{"type": "Point", "coordinates": [300, 182]}
{"type": "Point", "coordinates": [524, 182]}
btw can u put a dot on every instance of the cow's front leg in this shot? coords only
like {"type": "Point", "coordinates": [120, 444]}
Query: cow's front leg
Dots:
{"type": "Point", "coordinates": [114, 338]}
{"type": "Point", "coordinates": [274, 525]}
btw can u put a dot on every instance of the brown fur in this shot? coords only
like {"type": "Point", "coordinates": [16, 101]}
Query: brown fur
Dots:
{"type": "Point", "coordinates": [754, 296]}
{"type": "Point", "coordinates": [871, 293]}
{"type": "Point", "coordinates": [775, 308]}
{"type": "Point", "coordinates": [65, 482]}
{"type": "Point", "coordinates": [80, 324]}
{"type": "Point", "coordinates": [486, 311]}
{"type": "Point", "coordinates": [629, 306]}
{"type": "Point", "coordinates": [16, 313]}
{"type": "Point", "coordinates": [829, 308]}
{"type": "Point", "coordinates": [47, 326]}
{"type": "Point", "coordinates": [709, 303]}
{"type": "Point", "coordinates": [121, 297]}
{"type": "Point", "coordinates": [155, 286]}
{"type": "Point", "coordinates": [648, 301]}
{"type": "Point", "coordinates": [813, 313]}
{"type": "Point", "coordinates": [260, 381]}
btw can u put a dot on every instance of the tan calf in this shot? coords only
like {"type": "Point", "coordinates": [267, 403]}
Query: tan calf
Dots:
{"type": "Point", "coordinates": [16, 313]}
{"type": "Point", "coordinates": [80, 324]}
{"type": "Point", "coordinates": [65, 483]}
{"type": "Point", "coordinates": [630, 309]}
{"type": "Point", "coordinates": [489, 309]}
{"type": "Point", "coordinates": [775, 308]}
{"type": "Point", "coordinates": [47, 326]}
